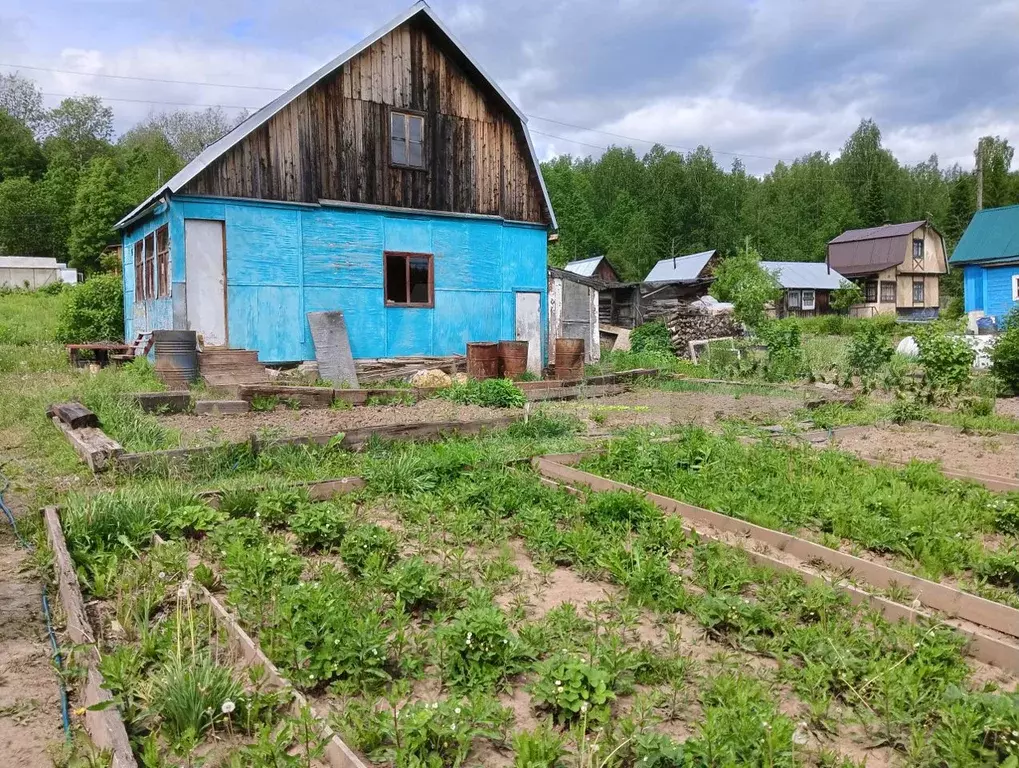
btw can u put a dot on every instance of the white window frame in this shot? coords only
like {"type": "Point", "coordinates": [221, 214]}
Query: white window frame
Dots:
{"type": "Point", "coordinates": [808, 306]}
{"type": "Point", "coordinates": [1015, 287]}
{"type": "Point", "coordinates": [789, 303]}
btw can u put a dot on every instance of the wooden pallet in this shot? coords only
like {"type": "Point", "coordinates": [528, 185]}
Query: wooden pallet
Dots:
{"type": "Point", "coordinates": [221, 367]}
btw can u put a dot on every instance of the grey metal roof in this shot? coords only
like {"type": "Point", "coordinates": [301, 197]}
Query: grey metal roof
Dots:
{"type": "Point", "coordinates": [585, 267]}
{"type": "Point", "coordinates": [877, 233]}
{"type": "Point", "coordinates": [804, 274]}
{"type": "Point", "coordinates": [682, 269]}
{"type": "Point", "coordinates": [259, 118]}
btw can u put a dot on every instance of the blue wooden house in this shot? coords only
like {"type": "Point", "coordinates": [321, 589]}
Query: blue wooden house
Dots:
{"type": "Point", "coordinates": [988, 254]}
{"type": "Point", "coordinates": [398, 183]}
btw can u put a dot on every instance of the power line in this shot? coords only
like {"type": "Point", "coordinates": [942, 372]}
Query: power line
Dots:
{"type": "Point", "coordinates": [152, 101]}
{"type": "Point", "coordinates": [280, 90]}
{"type": "Point", "coordinates": [143, 79]}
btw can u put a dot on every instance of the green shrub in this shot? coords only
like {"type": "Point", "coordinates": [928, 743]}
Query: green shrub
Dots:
{"type": "Point", "coordinates": [869, 352]}
{"type": "Point", "coordinates": [651, 337]}
{"type": "Point", "coordinates": [93, 311]}
{"type": "Point", "coordinates": [785, 358]}
{"type": "Point", "coordinates": [491, 393]}
{"type": "Point", "coordinates": [947, 362]}
{"type": "Point", "coordinates": [1005, 357]}
{"type": "Point", "coordinates": [845, 296]}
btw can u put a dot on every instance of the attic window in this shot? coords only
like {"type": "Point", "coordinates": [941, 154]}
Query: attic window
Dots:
{"type": "Point", "coordinates": [407, 139]}
{"type": "Point", "coordinates": [918, 253]}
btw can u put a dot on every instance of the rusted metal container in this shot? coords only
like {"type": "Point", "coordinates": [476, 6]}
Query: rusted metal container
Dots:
{"type": "Point", "coordinates": [569, 358]}
{"type": "Point", "coordinates": [176, 357]}
{"type": "Point", "coordinates": [483, 360]}
{"type": "Point", "coordinates": [512, 359]}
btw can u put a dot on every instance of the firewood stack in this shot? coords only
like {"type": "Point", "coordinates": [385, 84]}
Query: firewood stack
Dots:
{"type": "Point", "coordinates": [692, 321]}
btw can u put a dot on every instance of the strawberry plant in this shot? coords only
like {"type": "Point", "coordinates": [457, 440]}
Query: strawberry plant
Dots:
{"type": "Point", "coordinates": [368, 546]}
{"type": "Point", "coordinates": [478, 649]}
{"type": "Point", "coordinates": [275, 507]}
{"type": "Point", "coordinates": [414, 582]}
{"type": "Point", "coordinates": [320, 526]}
{"type": "Point", "coordinates": [571, 689]}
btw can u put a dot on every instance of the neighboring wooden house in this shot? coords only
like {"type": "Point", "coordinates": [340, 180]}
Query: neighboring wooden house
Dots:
{"type": "Point", "coordinates": [670, 282]}
{"type": "Point", "coordinates": [989, 256]}
{"type": "Point", "coordinates": [597, 267]}
{"type": "Point", "coordinates": [697, 268]}
{"type": "Point", "coordinates": [398, 183]}
{"type": "Point", "coordinates": [573, 310]}
{"type": "Point", "coordinates": [897, 266]}
{"type": "Point", "coordinates": [806, 286]}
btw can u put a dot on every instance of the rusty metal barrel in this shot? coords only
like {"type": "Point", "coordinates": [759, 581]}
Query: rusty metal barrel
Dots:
{"type": "Point", "coordinates": [176, 357]}
{"type": "Point", "coordinates": [569, 359]}
{"type": "Point", "coordinates": [483, 360]}
{"type": "Point", "coordinates": [512, 359]}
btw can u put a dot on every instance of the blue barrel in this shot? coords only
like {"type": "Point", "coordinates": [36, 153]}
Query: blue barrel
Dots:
{"type": "Point", "coordinates": [176, 357]}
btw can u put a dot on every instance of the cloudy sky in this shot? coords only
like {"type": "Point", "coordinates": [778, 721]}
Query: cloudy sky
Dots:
{"type": "Point", "coordinates": [765, 79]}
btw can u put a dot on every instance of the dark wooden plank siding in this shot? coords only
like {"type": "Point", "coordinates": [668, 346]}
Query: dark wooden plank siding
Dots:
{"type": "Point", "coordinates": [332, 142]}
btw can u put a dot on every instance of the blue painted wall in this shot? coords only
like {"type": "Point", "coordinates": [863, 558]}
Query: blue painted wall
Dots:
{"type": "Point", "coordinates": [989, 288]}
{"type": "Point", "coordinates": [284, 261]}
{"type": "Point", "coordinates": [150, 314]}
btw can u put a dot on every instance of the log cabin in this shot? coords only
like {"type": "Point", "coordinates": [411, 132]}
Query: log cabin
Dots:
{"type": "Point", "coordinates": [398, 183]}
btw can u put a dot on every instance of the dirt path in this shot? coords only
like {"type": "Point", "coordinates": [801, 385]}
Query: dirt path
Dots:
{"type": "Point", "coordinates": [30, 728]}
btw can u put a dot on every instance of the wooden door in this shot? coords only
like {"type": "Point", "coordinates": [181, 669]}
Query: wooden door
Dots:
{"type": "Point", "coordinates": [205, 265]}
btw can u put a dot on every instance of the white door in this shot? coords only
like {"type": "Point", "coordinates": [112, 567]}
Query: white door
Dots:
{"type": "Point", "coordinates": [529, 328]}
{"type": "Point", "coordinates": [205, 262]}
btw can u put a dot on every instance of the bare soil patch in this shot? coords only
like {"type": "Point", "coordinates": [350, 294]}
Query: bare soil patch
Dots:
{"type": "Point", "coordinates": [952, 450]}
{"type": "Point", "coordinates": [649, 407]}
{"type": "Point", "coordinates": [29, 695]}
{"type": "Point", "coordinates": [284, 422]}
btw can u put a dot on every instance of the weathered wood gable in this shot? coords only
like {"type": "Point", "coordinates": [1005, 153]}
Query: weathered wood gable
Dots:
{"type": "Point", "coordinates": [332, 141]}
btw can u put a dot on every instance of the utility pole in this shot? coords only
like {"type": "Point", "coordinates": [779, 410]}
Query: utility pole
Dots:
{"type": "Point", "coordinates": [980, 175]}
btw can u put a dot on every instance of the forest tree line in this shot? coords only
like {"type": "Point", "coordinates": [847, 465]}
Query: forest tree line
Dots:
{"type": "Point", "coordinates": [637, 210]}
{"type": "Point", "coordinates": [66, 179]}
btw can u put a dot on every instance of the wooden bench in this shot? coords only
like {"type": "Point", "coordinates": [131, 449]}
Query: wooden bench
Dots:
{"type": "Point", "coordinates": [103, 353]}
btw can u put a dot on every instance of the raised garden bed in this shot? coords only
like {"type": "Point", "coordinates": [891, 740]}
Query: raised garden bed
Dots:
{"type": "Point", "coordinates": [912, 518]}
{"type": "Point", "coordinates": [476, 616]}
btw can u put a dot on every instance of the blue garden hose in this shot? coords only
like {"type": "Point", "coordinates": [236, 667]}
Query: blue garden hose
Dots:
{"type": "Point", "coordinates": [65, 715]}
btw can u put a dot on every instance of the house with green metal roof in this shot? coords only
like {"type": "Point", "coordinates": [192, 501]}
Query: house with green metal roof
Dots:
{"type": "Point", "coordinates": [988, 255]}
